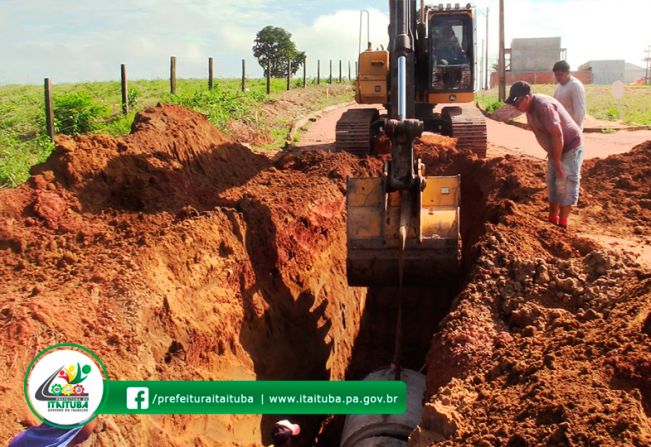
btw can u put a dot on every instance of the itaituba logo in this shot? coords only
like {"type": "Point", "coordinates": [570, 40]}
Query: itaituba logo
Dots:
{"type": "Point", "coordinates": [64, 387]}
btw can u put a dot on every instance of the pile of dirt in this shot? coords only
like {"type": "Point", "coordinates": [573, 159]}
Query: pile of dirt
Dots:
{"type": "Point", "coordinates": [547, 343]}
{"type": "Point", "coordinates": [173, 158]}
{"type": "Point", "coordinates": [176, 253]}
{"type": "Point", "coordinates": [617, 191]}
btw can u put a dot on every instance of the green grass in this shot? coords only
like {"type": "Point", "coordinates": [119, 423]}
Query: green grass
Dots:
{"type": "Point", "coordinates": [23, 140]}
{"type": "Point", "coordinates": [17, 156]}
{"type": "Point", "coordinates": [634, 108]}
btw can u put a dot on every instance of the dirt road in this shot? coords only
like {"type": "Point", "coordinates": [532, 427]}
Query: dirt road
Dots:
{"type": "Point", "coordinates": [320, 132]}
{"type": "Point", "coordinates": [597, 145]}
{"type": "Point", "coordinates": [504, 138]}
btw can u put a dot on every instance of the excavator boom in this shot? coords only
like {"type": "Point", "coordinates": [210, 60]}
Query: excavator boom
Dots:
{"type": "Point", "coordinates": [403, 227]}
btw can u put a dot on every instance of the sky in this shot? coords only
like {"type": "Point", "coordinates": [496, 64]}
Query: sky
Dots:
{"type": "Point", "coordinates": [78, 41]}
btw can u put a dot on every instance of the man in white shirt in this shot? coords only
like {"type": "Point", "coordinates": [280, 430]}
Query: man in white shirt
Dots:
{"type": "Point", "coordinates": [570, 92]}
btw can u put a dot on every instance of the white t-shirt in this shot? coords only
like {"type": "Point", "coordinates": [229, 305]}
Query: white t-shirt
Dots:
{"type": "Point", "coordinates": [572, 96]}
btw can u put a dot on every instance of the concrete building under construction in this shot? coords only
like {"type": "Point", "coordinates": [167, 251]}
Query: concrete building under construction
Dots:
{"type": "Point", "coordinates": [532, 59]}
{"type": "Point", "coordinates": [535, 54]}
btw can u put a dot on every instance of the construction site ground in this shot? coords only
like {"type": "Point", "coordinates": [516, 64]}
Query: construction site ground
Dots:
{"type": "Point", "coordinates": [177, 253]}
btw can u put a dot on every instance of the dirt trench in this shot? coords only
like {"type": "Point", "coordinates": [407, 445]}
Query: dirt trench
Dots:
{"type": "Point", "coordinates": [175, 253]}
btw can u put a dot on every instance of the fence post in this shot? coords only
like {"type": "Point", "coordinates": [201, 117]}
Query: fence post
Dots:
{"type": "Point", "coordinates": [49, 113]}
{"type": "Point", "coordinates": [318, 72]}
{"type": "Point", "coordinates": [349, 78]}
{"type": "Point", "coordinates": [289, 73]}
{"type": "Point", "coordinates": [211, 74]}
{"type": "Point", "coordinates": [173, 75]}
{"type": "Point", "coordinates": [243, 75]}
{"type": "Point", "coordinates": [330, 77]}
{"type": "Point", "coordinates": [340, 71]}
{"type": "Point", "coordinates": [356, 71]}
{"type": "Point", "coordinates": [304, 71]}
{"type": "Point", "coordinates": [268, 76]}
{"type": "Point", "coordinates": [125, 96]}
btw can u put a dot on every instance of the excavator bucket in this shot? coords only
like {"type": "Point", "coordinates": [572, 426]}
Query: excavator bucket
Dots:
{"type": "Point", "coordinates": [375, 253]}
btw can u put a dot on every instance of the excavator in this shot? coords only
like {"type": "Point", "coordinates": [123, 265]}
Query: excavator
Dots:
{"type": "Point", "coordinates": [403, 227]}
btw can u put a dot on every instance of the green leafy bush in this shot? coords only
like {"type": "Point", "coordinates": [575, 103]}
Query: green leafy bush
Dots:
{"type": "Point", "coordinates": [132, 97]}
{"type": "Point", "coordinates": [493, 106]}
{"type": "Point", "coordinates": [221, 105]}
{"type": "Point", "coordinates": [612, 114]}
{"type": "Point", "coordinates": [78, 113]}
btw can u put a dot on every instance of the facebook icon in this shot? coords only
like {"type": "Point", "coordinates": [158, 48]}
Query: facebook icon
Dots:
{"type": "Point", "coordinates": [137, 398]}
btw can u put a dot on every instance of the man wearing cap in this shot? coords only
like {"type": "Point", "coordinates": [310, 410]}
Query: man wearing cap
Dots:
{"type": "Point", "coordinates": [283, 433]}
{"type": "Point", "coordinates": [562, 139]}
{"type": "Point", "coordinates": [570, 92]}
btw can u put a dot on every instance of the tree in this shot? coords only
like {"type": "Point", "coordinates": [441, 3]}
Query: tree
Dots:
{"type": "Point", "coordinates": [273, 46]}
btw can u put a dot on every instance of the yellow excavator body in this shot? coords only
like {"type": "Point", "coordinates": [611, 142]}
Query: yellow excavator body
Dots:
{"type": "Point", "coordinates": [372, 78]}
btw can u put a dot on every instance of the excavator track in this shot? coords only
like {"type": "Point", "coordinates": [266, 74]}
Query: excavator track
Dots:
{"type": "Point", "coordinates": [469, 128]}
{"type": "Point", "coordinates": [353, 131]}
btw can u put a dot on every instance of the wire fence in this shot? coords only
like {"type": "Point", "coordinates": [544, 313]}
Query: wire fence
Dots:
{"type": "Point", "coordinates": [31, 116]}
{"type": "Point", "coordinates": [124, 83]}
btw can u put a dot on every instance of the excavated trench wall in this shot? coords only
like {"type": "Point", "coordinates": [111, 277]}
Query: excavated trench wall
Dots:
{"type": "Point", "coordinates": [194, 258]}
{"type": "Point", "coordinates": [177, 254]}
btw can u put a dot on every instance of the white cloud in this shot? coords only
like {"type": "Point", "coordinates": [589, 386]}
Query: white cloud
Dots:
{"type": "Point", "coordinates": [336, 36]}
{"type": "Point", "coordinates": [88, 40]}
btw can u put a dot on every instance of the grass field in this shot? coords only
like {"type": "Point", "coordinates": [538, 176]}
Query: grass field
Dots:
{"type": "Point", "coordinates": [633, 108]}
{"type": "Point", "coordinates": [23, 139]}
